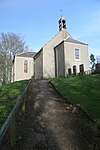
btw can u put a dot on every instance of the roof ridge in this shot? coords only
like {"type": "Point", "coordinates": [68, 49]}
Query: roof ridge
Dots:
{"type": "Point", "coordinates": [27, 54]}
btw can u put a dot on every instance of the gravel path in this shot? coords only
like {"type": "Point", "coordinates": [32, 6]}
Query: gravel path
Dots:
{"type": "Point", "coordinates": [50, 123]}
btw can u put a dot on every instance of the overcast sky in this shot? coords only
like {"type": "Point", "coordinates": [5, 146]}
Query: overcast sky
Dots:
{"type": "Point", "coordinates": [37, 20]}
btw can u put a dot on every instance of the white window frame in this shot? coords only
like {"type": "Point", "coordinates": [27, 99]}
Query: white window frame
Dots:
{"type": "Point", "coordinates": [25, 66]}
{"type": "Point", "coordinates": [75, 56]}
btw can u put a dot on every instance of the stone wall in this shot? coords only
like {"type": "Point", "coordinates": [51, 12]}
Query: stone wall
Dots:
{"type": "Point", "coordinates": [59, 60]}
{"type": "Point", "coordinates": [38, 65]}
{"type": "Point", "coordinates": [98, 67]}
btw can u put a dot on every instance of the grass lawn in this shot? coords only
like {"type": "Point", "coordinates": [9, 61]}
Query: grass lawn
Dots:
{"type": "Point", "coordinates": [83, 90]}
{"type": "Point", "coordinates": [12, 90]}
{"type": "Point", "coordinates": [9, 95]}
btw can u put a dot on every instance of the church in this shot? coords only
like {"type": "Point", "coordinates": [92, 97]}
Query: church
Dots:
{"type": "Point", "coordinates": [61, 56]}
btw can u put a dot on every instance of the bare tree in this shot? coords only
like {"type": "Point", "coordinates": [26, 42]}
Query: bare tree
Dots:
{"type": "Point", "coordinates": [92, 61]}
{"type": "Point", "coordinates": [10, 45]}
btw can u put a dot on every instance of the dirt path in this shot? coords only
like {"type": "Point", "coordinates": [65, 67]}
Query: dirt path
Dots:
{"type": "Point", "coordinates": [52, 124]}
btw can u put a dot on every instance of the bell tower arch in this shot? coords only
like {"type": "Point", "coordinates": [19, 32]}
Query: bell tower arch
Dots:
{"type": "Point", "coordinates": [62, 23]}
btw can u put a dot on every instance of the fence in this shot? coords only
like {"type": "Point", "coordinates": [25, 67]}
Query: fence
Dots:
{"type": "Point", "coordinates": [89, 72]}
{"type": "Point", "coordinates": [8, 129]}
{"type": "Point", "coordinates": [77, 74]}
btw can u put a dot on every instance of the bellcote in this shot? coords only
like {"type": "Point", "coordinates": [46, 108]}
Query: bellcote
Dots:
{"type": "Point", "coordinates": [62, 23]}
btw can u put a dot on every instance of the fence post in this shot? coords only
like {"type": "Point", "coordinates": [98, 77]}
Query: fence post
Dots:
{"type": "Point", "coordinates": [23, 106]}
{"type": "Point", "coordinates": [13, 134]}
{"type": "Point", "coordinates": [9, 125]}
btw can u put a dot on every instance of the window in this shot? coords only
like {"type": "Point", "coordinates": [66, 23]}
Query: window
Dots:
{"type": "Point", "coordinates": [76, 53]}
{"type": "Point", "coordinates": [74, 70]}
{"type": "Point", "coordinates": [25, 66]}
{"type": "Point", "coordinates": [81, 67]}
{"type": "Point", "coordinates": [69, 71]}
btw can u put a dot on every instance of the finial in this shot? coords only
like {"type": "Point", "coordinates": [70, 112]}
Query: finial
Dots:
{"type": "Point", "coordinates": [61, 12]}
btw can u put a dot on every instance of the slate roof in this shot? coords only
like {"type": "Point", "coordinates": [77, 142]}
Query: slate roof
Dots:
{"type": "Point", "coordinates": [27, 54]}
{"type": "Point", "coordinates": [74, 41]}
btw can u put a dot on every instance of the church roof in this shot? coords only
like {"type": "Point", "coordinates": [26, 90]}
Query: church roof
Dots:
{"type": "Point", "coordinates": [69, 39]}
{"type": "Point", "coordinates": [27, 54]}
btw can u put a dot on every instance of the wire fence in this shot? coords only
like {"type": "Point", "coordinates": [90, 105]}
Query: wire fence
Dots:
{"type": "Point", "coordinates": [8, 131]}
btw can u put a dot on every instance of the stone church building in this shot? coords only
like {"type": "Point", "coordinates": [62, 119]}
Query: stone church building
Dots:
{"type": "Point", "coordinates": [61, 56]}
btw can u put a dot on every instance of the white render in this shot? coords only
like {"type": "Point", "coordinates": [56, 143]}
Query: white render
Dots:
{"type": "Point", "coordinates": [65, 57]}
{"type": "Point", "coordinates": [18, 68]}
{"type": "Point", "coordinates": [54, 58]}
{"type": "Point", "coordinates": [70, 60]}
{"type": "Point", "coordinates": [48, 54]}
{"type": "Point", "coordinates": [48, 62]}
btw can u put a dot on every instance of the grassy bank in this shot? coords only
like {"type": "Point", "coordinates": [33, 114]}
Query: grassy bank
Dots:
{"type": "Point", "coordinates": [12, 90]}
{"type": "Point", "coordinates": [83, 90]}
{"type": "Point", "coordinates": [9, 95]}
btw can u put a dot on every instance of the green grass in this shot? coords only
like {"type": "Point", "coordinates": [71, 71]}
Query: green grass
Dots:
{"type": "Point", "coordinates": [14, 89]}
{"type": "Point", "coordinates": [9, 92]}
{"type": "Point", "coordinates": [83, 90]}
{"type": "Point", "coordinates": [4, 111]}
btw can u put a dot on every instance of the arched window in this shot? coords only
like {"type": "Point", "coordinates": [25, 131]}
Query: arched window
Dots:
{"type": "Point", "coordinates": [69, 71]}
{"type": "Point", "coordinates": [25, 66]}
{"type": "Point", "coordinates": [81, 67]}
{"type": "Point", "coordinates": [74, 70]}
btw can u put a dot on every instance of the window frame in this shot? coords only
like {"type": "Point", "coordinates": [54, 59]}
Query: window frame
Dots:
{"type": "Point", "coordinates": [25, 66]}
{"type": "Point", "coordinates": [77, 54]}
